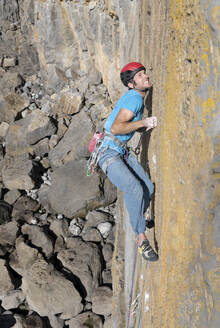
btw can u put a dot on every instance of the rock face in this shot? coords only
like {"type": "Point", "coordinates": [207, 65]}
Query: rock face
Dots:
{"type": "Point", "coordinates": [59, 79]}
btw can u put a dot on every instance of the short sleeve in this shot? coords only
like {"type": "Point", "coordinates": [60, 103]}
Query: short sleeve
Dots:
{"type": "Point", "coordinates": [133, 103]}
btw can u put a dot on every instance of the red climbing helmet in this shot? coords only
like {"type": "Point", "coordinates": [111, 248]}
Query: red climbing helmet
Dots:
{"type": "Point", "coordinates": [128, 72]}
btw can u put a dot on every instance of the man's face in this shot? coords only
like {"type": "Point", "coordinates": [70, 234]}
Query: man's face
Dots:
{"type": "Point", "coordinates": [142, 80]}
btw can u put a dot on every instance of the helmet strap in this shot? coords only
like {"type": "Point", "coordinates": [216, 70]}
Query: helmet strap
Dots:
{"type": "Point", "coordinates": [144, 90]}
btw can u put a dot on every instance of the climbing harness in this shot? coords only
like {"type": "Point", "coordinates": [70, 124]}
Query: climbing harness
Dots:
{"type": "Point", "coordinates": [96, 149]}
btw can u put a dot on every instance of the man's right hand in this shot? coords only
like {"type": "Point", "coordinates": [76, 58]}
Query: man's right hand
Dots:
{"type": "Point", "coordinates": [150, 122]}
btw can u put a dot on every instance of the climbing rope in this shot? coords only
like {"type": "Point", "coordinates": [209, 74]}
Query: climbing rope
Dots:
{"type": "Point", "coordinates": [132, 286]}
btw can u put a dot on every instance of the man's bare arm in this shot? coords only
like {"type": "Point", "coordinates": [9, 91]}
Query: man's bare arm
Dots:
{"type": "Point", "coordinates": [123, 124]}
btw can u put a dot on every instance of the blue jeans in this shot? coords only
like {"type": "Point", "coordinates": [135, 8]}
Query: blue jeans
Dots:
{"type": "Point", "coordinates": [129, 177]}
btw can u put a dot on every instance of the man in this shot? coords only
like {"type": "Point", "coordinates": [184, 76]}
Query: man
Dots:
{"type": "Point", "coordinates": [121, 166]}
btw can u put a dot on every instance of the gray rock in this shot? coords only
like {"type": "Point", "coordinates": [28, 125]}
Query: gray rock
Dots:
{"type": "Point", "coordinates": [108, 322]}
{"type": "Point", "coordinates": [104, 228]}
{"type": "Point", "coordinates": [13, 299]}
{"type": "Point", "coordinates": [11, 104]}
{"type": "Point", "coordinates": [92, 234]}
{"type": "Point", "coordinates": [47, 291]}
{"type": "Point", "coordinates": [11, 196]}
{"type": "Point", "coordinates": [24, 208]}
{"type": "Point", "coordinates": [28, 131]}
{"type": "Point", "coordinates": [52, 295]}
{"type": "Point", "coordinates": [93, 218]}
{"type": "Point", "coordinates": [16, 172]}
{"type": "Point", "coordinates": [86, 319]}
{"type": "Point", "coordinates": [71, 102]}
{"type": "Point", "coordinates": [5, 211]}
{"type": "Point", "coordinates": [33, 320]}
{"type": "Point", "coordinates": [6, 284]}
{"type": "Point", "coordinates": [107, 251]}
{"type": "Point", "coordinates": [55, 322]}
{"type": "Point", "coordinates": [74, 144]}
{"type": "Point", "coordinates": [41, 148]}
{"type": "Point", "coordinates": [60, 227]}
{"type": "Point", "coordinates": [62, 127]}
{"type": "Point", "coordinates": [83, 260]}
{"type": "Point", "coordinates": [3, 129]}
{"type": "Point", "coordinates": [38, 238]}
{"type": "Point", "coordinates": [107, 276]}
{"type": "Point", "coordinates": [71, 192]}
{"type": "Point", "coordinates": [9, 62]}
{"type": "Point", "coordinates": [102, 301]}
{"type": "Point", "coordinates": [53, 141]}
{"type": "Point", "coordinates": [8, 232]}
{"type": "Point", "coordinates": [23, 257]}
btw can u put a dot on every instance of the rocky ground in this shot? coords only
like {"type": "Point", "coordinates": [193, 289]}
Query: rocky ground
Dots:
{"type": "Point", "coordinates": [56, 223]}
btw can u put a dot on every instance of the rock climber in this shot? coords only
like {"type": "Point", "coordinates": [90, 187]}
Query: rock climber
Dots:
{"type": "Point", "coordinates": [119, 164]}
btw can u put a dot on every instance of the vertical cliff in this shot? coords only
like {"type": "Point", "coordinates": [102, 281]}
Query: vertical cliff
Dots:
{"type": "Point", "coordinates": [179, 43]}
{"type": "Point", "coordinates": [59, 66]}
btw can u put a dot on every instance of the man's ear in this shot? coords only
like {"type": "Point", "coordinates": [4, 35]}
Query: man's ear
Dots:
{"type": "Point", "coordinates": [130, 85]}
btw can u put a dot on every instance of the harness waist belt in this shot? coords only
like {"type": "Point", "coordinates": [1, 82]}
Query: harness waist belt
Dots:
{"type": "Point", "coordinates": [118, 142]}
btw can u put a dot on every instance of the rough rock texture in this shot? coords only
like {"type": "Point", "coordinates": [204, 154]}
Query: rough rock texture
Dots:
{"type": "Point", "coordinates": [59, 79]}
{"type": "Point", "coordinates": [83, 260]}
{"type": "Point", "coordinates": [179, 42]}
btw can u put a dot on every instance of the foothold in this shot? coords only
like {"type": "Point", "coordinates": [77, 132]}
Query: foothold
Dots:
{"type": "Point", "coordinates": [104, 228]}
{"type": "Point", "coordinates": [147, 297]}
{"type": "Point", "coordinates": [146, 309]}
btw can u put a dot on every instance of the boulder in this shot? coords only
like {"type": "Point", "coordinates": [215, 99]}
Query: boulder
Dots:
{"type": "Point", "coordinates": [16, 172]}
{"type": "Point", "coordinates": [92, 234]}
{"type": "Point", "coordinates": [107, 251]}
{"type": "Point", "coordinates": [60, 227]}
{"type": "Point", "coordinates": [6, 284]}
{"type": "Point", "coordinates": [83, 260]}
{"type": "Point", "coordinates": [52, 295]}
{"type": "Point", "coordinates": [13, 299]}
{"type": "Point", "coordinates": [5, 211]}
{"type": "Point", "coordinates": [11, 196]}
{"type": "Point", "coordinates": [107, 276]}
{"type": "Point", "coordinates": [9, 62]}
{"type": "Point", "coordinates": [23, 257]}
{"type": "Point", "coordinates": [108, 322]}
{"type": "Point", "coordinates": [39, 238]}
{"type": "Point", "coordinates": [102, 301]}
{"type": "Point", "coordinates": [3, 129]}
{"type": "Point", "coordinates": [86, 319]}
{"type": "Point", "coordinates": [8, 232]}
{"type": "Point", "coordinates": [74, 144]}
{"type": "Point", "coordinates": [11, 104]}
{"type": "Point", "coordinates": [93, 218]}
{"type": "Point", "coordinates": [46, 290]}
{"type": "Point", "coordinates": [73, 193]}
{"type": "Point", "coordinates": [28, 131]}
{"type": "Point", "coordinates": [41, 148]}
{"type": "Point", "coordinates": [71, 102]}
{"type": "Point", "coordinates": [24, 207]}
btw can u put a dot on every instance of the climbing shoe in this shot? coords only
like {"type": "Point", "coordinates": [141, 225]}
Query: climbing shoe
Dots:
{"type": "Point", "coordinates": [147, 251]}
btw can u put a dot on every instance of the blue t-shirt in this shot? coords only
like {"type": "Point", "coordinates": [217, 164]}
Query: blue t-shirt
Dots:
{"type": "Point", "coordinates": [133, 101]}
